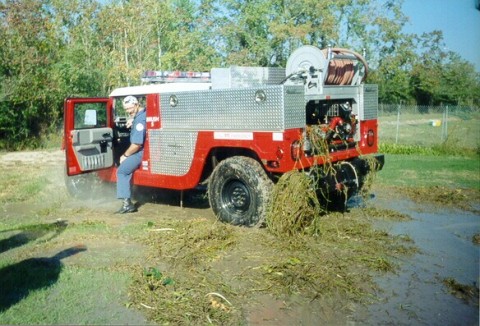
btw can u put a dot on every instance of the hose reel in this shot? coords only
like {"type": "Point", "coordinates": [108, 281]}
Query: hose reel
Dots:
{"type": "Point", "coordinates": [338, 66]}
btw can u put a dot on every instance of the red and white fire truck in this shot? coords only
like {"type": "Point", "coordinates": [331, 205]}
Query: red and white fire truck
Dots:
{"type": "Point", "coordinates": [236, 130]}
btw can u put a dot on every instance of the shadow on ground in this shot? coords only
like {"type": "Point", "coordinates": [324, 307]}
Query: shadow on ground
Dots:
{"type": "Point", "coordinates": [31, 233]}
{"type": "Point", "coordinates": [17, 281]}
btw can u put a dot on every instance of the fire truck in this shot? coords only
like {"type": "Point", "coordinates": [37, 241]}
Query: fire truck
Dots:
{"type": "Point", "coordinates": [235, 131]}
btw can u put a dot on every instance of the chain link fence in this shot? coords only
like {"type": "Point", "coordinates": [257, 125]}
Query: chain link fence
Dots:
{"type": "Point", "coordinates": [429, 125]}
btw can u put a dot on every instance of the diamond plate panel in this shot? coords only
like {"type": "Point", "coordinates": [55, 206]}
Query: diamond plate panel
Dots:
{"type": "Point", "coordinates": [234, 109]}
{"type": "Point", "coordinates": [171, 152]}
{"type": "Point", "coordinates": [294, 107]}
{"type": "Point", "coordinates": [370, 102]}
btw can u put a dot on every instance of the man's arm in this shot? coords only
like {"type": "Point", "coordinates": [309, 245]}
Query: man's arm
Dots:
{"type": "Point", "coordinates": [132, 149]}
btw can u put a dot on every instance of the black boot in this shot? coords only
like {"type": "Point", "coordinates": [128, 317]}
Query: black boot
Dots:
{"type": "Point", "coordinates": [127, 207]}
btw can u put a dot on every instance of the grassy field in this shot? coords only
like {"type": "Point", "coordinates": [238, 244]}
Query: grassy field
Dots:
{"type": "Point", "coordinates": [461, 131]}
{"type": "Point", "coordinates": [70, 262]}
{"type": "Point", "coordinates": [431, 171]}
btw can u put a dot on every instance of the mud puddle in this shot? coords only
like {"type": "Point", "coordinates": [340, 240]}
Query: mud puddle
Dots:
{"type": "Point", "coordinates": [417, 293]}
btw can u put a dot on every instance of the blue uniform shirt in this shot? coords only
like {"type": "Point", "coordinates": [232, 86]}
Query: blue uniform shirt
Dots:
{"type": "Point", "coordinates": [137, 134]}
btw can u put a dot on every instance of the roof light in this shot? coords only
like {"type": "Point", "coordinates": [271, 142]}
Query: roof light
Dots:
{"type": "Point", "coordinates": [160, 76]}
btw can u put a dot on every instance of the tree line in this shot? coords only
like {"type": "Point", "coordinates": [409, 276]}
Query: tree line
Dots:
{"type": "Point", "coordinates": [51, 49]}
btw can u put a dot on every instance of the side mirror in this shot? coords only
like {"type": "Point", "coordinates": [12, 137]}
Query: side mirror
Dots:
{"type": "Point", "coordinates": [90, 118]}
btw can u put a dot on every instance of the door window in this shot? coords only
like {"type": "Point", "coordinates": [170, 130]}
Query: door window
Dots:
{"type": "Point", "coordinates": [90, 115]}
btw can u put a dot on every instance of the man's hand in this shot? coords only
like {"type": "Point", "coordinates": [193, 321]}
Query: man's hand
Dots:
{"type": "Point", "coordinates": [132, 149]}
{"type": "Point", "coordinates": [129, 123]}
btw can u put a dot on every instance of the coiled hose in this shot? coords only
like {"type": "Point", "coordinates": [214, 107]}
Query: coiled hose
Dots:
{"type": "Point", "coordinates": [341, 70]}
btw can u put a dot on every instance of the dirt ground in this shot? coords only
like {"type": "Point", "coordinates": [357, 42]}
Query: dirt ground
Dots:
{"type": "Point", "coordinates": [415, 294]}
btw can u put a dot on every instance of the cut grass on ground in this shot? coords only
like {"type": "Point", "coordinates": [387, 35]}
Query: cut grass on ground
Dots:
{"type": "Point", "coordinates": [197, 258]}
{"type": "Point", "coordinates": [191, 269]}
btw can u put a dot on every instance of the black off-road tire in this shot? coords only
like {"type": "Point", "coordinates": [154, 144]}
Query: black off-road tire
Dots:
{"type": "Point", "coordinates": [239, 191]}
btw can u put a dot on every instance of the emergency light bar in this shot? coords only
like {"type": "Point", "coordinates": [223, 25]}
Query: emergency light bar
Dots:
{"type": "Point", "coordinates": [158, 76]}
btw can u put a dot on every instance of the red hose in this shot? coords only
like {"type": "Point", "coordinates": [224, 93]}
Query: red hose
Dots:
{"type": "Point", "coordinates": [341, 71]}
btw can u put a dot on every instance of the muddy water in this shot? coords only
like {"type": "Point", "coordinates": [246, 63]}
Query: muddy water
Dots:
{"type": "Point", "coordinates": [416, 294]}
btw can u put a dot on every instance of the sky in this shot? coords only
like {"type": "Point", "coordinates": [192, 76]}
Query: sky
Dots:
{"type": "Point", "coordinates": [459, 21]}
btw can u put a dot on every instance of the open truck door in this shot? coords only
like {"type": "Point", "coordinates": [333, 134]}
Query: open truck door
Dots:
{"type": "Point", "coordinates": [88, 135]}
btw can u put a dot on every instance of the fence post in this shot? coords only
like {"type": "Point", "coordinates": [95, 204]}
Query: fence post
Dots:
{"type": "Point", "coordinates": [398, 123]}
{"type": "Point", "coordinates": [445, 124]}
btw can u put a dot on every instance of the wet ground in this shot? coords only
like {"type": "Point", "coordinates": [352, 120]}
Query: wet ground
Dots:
{"type": "Point", "coordinates": [417, 294]}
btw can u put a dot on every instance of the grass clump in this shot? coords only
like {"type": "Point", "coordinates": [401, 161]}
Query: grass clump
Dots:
{"type": "Point", "coordinates": [295, 207]}
{"type": "Point", "coordinates": [467, 293]}
{"type": "Point", "coordinates": [476, 239]}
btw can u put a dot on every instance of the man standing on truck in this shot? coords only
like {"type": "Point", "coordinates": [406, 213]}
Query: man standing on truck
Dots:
{"type": "Point", "coordinates": [132, 157]}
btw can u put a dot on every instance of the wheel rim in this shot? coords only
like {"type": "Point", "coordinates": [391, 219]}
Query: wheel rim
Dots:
{"type": "Point", "coordinates": [348, 175]}
{"type": "Point", "coordinates": [236, 197]}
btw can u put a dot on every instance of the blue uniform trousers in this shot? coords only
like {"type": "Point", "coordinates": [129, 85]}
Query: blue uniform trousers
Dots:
{"type": "Point", "coordinates": [124, 174]}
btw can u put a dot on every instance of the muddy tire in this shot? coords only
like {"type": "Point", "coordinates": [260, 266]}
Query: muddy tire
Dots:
{"type": "Point", "coordinates": [239, 191]}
